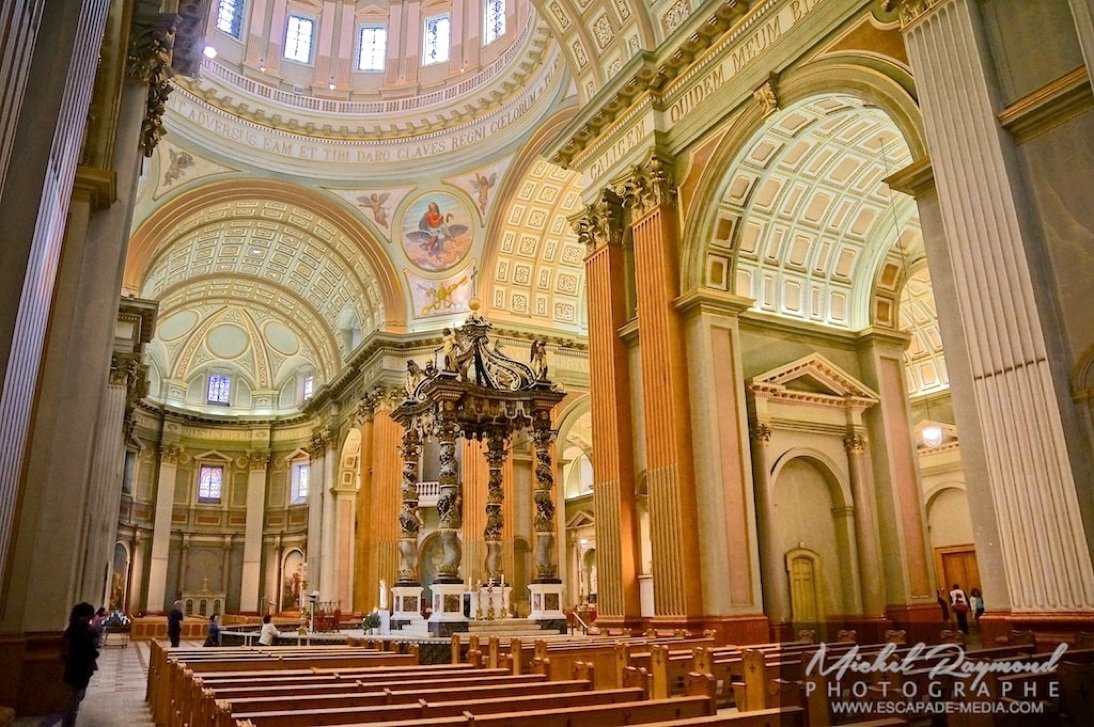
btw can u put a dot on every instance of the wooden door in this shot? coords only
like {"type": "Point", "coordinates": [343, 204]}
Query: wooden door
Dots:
{"type": "Point", "coordinates": [805, 601]}
{"type": "Point", "coordinates": [957, 564]}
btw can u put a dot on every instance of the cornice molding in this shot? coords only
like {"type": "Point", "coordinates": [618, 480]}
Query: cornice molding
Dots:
{"type": "Point", "coordinates": [915, 179]}
{"type": "Point", "coordinates": [1049, 106]}
{"type": "Point", "coordinates": [100, 186]}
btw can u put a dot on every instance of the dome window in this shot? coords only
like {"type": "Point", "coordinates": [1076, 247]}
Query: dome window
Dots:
{"type": "Point", "coordinates": [298, 39]}
{"type": "Point", "coordinates": [438, 36]}
{"type": "Point", "coordinates": [370, 57]}
{"type": "Point", "coordinates": [230, 17]}
{"type": "Point", "coordinates": [494, 23]}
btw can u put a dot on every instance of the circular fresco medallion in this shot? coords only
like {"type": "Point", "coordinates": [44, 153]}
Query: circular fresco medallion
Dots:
{"type": "Point", "coordinates": [437, 231]}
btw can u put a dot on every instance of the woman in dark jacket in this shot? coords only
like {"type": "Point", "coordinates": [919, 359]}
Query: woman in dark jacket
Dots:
{"type": "Point", "coordinates": [80, 654]}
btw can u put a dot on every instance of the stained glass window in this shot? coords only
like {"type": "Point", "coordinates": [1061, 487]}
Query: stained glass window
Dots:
{"type": "Point", "coordinates": [309, 386]}
{"type": "Point", "coordinates": [220, 387]}
{"type": "Point", "coordinates": [437, 39]}
{"type": "Point", "coordinates": [230, 17]}
{"type": "Point", "coordinates": [209, 484]}
{"type": "Point", "coordinates": [301, 482]}
{"type": "Point", "coordinates": [298, 39]}
{"type": "Point", "coordinates": [494, 27]}
{"type": "Point", "coordinates": [373, 48]}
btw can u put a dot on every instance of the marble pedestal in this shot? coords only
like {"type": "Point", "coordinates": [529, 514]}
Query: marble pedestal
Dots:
{"type": "Point", "coordinates": [447, 617]}
{"type": "Point", "coordinates": [407, 606]}
{"type": "Point", "coordinates": [547, 605]}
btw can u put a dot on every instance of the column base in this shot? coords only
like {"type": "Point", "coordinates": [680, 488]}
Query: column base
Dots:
{"type": "Point", "coordinates": [447, 617]}
{"type": "Point", "coordinates": [546, 602]}
{"type": "Point", "coordinates": [1049, 629]}
{"type": "Point", "coordinates": [922, 621]}
{"type": "Point", "coordinates": [753, 629]}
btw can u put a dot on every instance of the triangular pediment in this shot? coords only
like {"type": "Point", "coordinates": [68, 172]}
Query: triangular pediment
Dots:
{"type": "Point", "coordinates": [812, 376]}
{"type": "Point", "coordinates": [582, 518]}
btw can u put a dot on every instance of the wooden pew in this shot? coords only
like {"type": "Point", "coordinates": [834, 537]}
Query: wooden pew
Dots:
{"type": "Point", "coordinates": [202, 706]}
{"type": "Point", "coordinates": [559, 703]}
{"type": "Point", "coordinates": [369, 696]}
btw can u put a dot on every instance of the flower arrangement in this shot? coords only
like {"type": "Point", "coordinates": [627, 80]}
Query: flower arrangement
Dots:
{"type": "Point", "coordinates": [372, 620]}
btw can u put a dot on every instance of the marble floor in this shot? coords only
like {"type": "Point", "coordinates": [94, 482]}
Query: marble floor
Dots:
{"type": "Point", "coordinates": [115, 697]}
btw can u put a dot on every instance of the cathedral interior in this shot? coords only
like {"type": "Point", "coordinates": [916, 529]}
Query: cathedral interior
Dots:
{"type": "Point", "coordinates": [810, 279]}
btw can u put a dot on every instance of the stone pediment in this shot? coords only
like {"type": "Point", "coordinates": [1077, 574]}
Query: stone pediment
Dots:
{"type": "Point", "coordinates": [813, 379]}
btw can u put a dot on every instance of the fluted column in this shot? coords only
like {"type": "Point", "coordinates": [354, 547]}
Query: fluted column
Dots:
{"type": "Point", "coordinates": [170, 456]}
{"type": "Point", "coordinates": [600, 227]}
{"type": "Point", "coordinates": [363, 590]}
{"type": "Point", "coordinates": [1023, 415]}
{"type": "Point", "coordinates": [772, 565]}
{"type": "Point", "coordinates": [678, 591]}
{"type": "Point", "coordinates": [475, 477]}
{"type": "Point", "coordinates": [184, 563]}
{"type": "Point", "coordinates": [257, 463]}
{"type": "Point", "coordinates": [449, 504]}
{"type": "Point", "coordinates": [133, 602]}
{"type": "Point", "coordinates": [330, 465]}
{"type": "Point", "coordinates": [496, 454]}
{"type": "Point", "coordinates": [545, 548]}
{"type": "Point", "coordinates": [344, 497]}
{"type": "Point", "coordinates": [320, 441]}
{"type": "Point", "coordinates": [866, 532]}
{"type": "Point", "coordinates": [380, 529]}
{"type": "Point", "coordinates": [410, 521]}
{"type": "Point", "coordinates": [107, 462]}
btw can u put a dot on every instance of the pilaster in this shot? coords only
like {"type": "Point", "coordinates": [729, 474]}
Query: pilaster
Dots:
{"type": "Point", "coordinates": [730, 562]}
{"type": "Point", "coordinates": [170, 457]}
{"type": "Point", "coordinates": [320, 442]}
{"type": "Point", "coordinates": [600, 227]}
{"type": "Point", "coordinates": [649, 192]}
{"type": "Point", "coordinates": [257, 463]}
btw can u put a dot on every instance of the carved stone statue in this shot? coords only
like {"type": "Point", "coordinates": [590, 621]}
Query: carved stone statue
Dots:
{"type": "Point", "coordinates": [538, 358]}
{"type": "Point", "coordinates": [413, 377]}
{"type": "Point", "coordinates": [450, 351]}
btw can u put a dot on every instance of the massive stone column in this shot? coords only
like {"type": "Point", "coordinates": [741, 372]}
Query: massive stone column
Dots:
{"type": "Point", "coordinates": [678, 594]}
{"type": "Point", "coordinates": [601, 229]}
{"type": "Point", "coordinates": [326, 534]}
{"type": "Point", "coordinates": [320, 442]}
{"type": "Point", "coordinates": [1016, 399]}
{"type": "Point", "coordinates": [344, 495]}
{"type": "Point", "coordinates": [170, 456]}
{"type": "Point", "coordinates": [257, 463]}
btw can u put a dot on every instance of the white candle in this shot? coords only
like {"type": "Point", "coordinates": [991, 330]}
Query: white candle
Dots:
{"type": "Point", "coordinates": [383, 595]}
{"type": "Point", "coordinates": [503, 580]}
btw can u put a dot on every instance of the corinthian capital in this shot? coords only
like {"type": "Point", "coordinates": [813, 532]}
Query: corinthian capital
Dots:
{"type": "Point", "coordinates": [854, 443]}
{"type": "Point", "coordinates": [170, 453]}
{"type": "Point", "coordinates": [258, 460]}
{"type": "Point", "coordinates": [910, 10]}
{"type": "Point", "coordinates": [320, 440]}
{"type": "Point", "coordinates": [149, 61]}
{"type": "Point", "coordinates": [649, 185]}
{"type": "Point", "coordinates": [601, 223]}
{"type": "Point", "coordinates": [761, 433]}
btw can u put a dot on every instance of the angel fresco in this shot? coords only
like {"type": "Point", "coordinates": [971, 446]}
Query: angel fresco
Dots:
{"type": "Point", "coordinates": [482, 186]}
{"type": "Point", "coordinates": [375, 202]}
{"type": "Point", "coordinates": [436, 232]}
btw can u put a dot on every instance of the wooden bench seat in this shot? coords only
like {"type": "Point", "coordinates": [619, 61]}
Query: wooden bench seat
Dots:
{"type": "Point", "coordinates": [425, 710]}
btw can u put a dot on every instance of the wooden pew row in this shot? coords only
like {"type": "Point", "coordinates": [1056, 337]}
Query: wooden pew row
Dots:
{"type": "Point", "coordinates": [1049, 694]}
{"type": "Point", "coordinates": [609, 661]}
{"type": "Point", "coordinates": [176, 700]}
{"type": "Point", "coordinates": [424, 709]}
{"type": "Point", "coordinates": [169, 679]}
{"type": "Point", "coordinates": [583, 715]}
{"type": "Point", "coordinates": [200, 708]}
{"type": "Point", "coordinates": [387, 697]}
